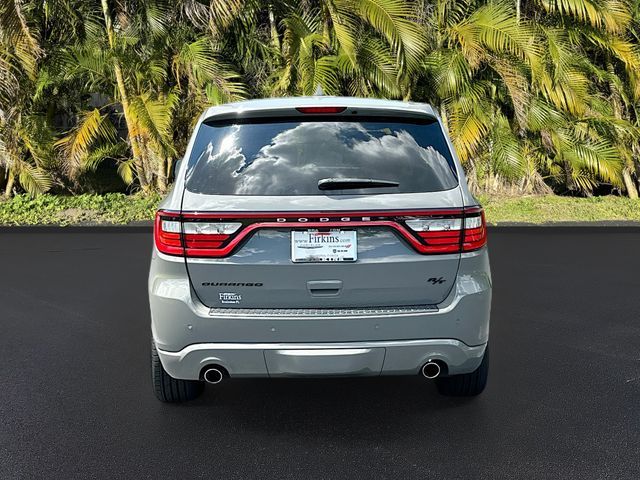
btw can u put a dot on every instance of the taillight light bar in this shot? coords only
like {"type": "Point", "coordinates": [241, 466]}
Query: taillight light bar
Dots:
{"type": "Point", "coordinates": [219, 234]}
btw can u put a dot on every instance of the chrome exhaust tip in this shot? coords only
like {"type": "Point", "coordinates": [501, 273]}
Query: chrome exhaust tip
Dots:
{"type": "Point", "coordinates": [213, 375]}
{"type": "Point", "coordinates": [431, 370]}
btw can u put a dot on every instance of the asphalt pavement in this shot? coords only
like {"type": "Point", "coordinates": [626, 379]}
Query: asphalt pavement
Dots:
{"type": "Point", "coordinates": [563, 399]}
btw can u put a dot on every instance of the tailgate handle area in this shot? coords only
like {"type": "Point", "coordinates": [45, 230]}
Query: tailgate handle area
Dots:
{"type": "Point", "coordinates": [324, 288]}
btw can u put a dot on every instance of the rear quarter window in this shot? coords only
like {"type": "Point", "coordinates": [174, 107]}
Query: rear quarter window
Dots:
{"type": "Point", "coordinates": [289, 156]}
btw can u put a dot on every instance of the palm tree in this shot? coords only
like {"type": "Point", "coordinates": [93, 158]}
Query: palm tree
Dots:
{"type": "Point", "coordinates": [158, 74]}
{"type": "Point", "coordinates": [590, 58]}
{"type": "Point", "coordinates": [537, 94]}
{"type": "Point", "coordinates": [517, 92]}
{"type": "Point", "coordinates": [24, 134]}
{"type": "Point", "coordinates": [477, 73]}
{"type": "Point", "coordinates": [353, 47]}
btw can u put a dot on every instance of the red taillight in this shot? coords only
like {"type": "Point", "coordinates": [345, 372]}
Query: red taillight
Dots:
{"type": "Point", "coordinates": [452, 233]}
{"type": "Point", "coordinates": [177, 234]}
{"type": "Point", "coordinates": [441, 242]}
{"type": "Point", "coordinates": [475, 232]}
{"type": "Point", "coordinates": [167, 233]}
{"type": "Point", "coordinates": [313, 110]}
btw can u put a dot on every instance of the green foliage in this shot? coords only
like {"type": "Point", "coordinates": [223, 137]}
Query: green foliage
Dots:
{"type": "Point", "coordinates": [538, 95]}
{"type": "Point", "coordinates": [85, 209]}
{"type": "Point", "coordinates": [117, 208]}
{"type": "Point", "coordinates": [538, 209]}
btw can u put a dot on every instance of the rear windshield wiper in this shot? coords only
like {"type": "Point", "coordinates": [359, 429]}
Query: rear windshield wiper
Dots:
{"type": "Point", "coordinates": [345, 183]}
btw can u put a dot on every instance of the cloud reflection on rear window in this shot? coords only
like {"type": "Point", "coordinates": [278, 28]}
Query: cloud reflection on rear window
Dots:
{"type": "Point", "coordinates": [289, 157]}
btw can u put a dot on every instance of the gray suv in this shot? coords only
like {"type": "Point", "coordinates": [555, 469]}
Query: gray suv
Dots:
{"type": "Point", "coordinates": [319, 236]}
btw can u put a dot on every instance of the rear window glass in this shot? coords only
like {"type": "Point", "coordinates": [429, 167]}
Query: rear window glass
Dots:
{"type": "Point", "coordinates": [290, 156]}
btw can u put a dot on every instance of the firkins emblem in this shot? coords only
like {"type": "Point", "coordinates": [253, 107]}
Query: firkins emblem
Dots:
{"type": "Point", "coordinates": [230, 297]}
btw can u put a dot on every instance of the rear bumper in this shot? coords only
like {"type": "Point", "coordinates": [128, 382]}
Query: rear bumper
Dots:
{"type": "Point", "coordinates": [321, 359]}
{"type": "Point", "coordinates": [189, 335]}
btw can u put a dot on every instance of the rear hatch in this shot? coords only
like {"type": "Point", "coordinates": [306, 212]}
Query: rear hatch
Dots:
{"type": "Point", "coordinates": [321, 212]}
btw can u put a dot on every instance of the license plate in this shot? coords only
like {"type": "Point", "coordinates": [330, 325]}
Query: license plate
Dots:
{"type": "Point", "coordinates": [327, 246]}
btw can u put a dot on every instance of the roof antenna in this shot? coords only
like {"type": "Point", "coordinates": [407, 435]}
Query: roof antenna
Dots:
{"type": "Point", "coordinates": [318, 92]}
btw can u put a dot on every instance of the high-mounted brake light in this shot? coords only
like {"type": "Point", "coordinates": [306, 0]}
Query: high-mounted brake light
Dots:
{"type": "Point", "coordinates": [321, 109]}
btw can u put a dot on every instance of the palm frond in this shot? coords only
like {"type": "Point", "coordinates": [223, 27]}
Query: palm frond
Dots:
{"type": "Point", "coordinates": [393, 20]}
{"type": "Point", "coordinates": [450, 72]}
{"type": "Point", "coordinates": [15, 31]}
{"type": "Point", "coordinates": [33, 179]}
{"type": "Point", "coordinates": [493, 27]}
{"type": "Point", "coordinates": [599, 158]}
{"type": "Point", "coordinates": [345, 27]}
{"type": "Point", "coordinates": [91, 128]}
{"type": "Point", "coordinates": [153, 116]}
{"type": "Point", "coordinates": [126, 171]}
{"type": "Point", "coordinates": [505, 151]}
{"type": "Point", "coordinates": [611, 15]}
{"type": "Point", "coordinates": [378, 65]}
{"type": "Point", "coordinates": [324, 74]}
{"type": "Point", "coordinates": [543, 116]}
{"type": "Point", "coordinates": [468, 127]}
{"type": "Point", "coordinates": [114, 151]}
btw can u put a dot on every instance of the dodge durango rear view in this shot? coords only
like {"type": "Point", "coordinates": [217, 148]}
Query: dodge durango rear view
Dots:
{"type": "Point", "coordinates": [314, 237]}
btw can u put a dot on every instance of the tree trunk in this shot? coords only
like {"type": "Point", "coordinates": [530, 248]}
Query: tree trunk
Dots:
{"type": "Point", "coordinates": [443, 117]}
{"type": "Point", "coordinates": [629, 184]}
{"type": "Point", "coordinates": [138, 157]}
{"type": "Point", "coordinates": [161, 176]}
{"type": "Point", "coordinates": [126, 107]}
{"type": "Point", "coordinates": [568, 176]}
{"type": "Point", "coordinates": [11, 178]}
{"type": "Point", "coordinates": [169, 170]}
{"type": "Point", "coordinates": [635, 162]}
{"type": "Point", "coordinates": [616, 102]}
{"type": "Point", "coordinates": [149, 162]}
{"type": "Point", "coordinates": [275, 38]}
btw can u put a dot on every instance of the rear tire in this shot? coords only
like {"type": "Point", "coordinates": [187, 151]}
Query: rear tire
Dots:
{"type": "Point", "coordinates": [467, 384]}
{"type": "Point", "coordinates": [169, 389]}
